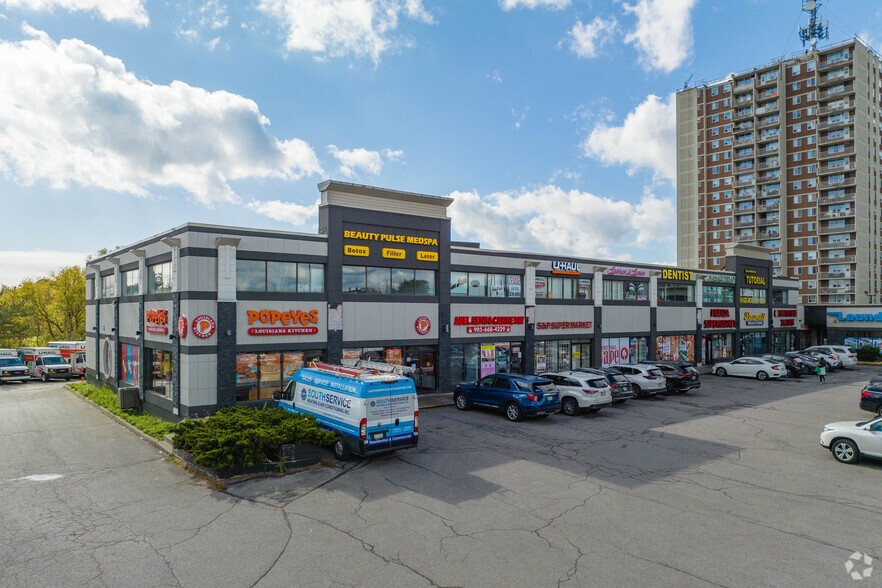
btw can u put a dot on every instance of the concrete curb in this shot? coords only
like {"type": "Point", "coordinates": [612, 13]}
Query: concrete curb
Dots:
{"type": "Point", "coordinates": [161, 445]}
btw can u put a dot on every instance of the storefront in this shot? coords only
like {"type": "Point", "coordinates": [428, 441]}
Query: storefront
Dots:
{"type": "Point", "coordinates": [202, 317]}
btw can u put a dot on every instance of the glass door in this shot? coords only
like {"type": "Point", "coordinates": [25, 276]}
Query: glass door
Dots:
{"type": "Point", "coordinates": [422, 361]}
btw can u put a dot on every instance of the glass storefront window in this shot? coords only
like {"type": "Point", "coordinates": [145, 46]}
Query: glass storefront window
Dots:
{"type": "Point", "coordinates": [585, 290]}
{"type": "Point", "coordinates": [402, 281]}
{"type": "Point", "coordinates": [354, 279]}
{"type": "Point", "coordinates": [258, 375]}
{"type": "Point", "coordinates": [477, 284]}
{"type": "Point", "coordinates": [281, 276]}
{"type": "Point", "coordinates": [675, 347]}
{"type": "Point", "coordinates": [379, 280]}
{"type": "Point", "coordinates": [753, 296]}
{"type": "Point", "coordinates": [562, 288]}
{"type": "Point", "coordinates": [513, 286]}
{"type": "Point", "coordinates": [486, 285]}
{"type": "Point", "coordinates": [496, 285]}
{"type": "Point", "coordinates": [359, 279]}
{"type": "Point", "coordinates": [161, 372]}
{"type": "Point", "coordinates": [311, 277]}
{"type": "Point", "coordinates": [130, 283]}
{"type": "Point", "coordinates": [159, 278]}
{"type": "Point", "coordinates": [129, 364]}
{"type": "Point", "coordinates": [424, 283]}
{"type": "Point", "coordinates": [250, 275]}
{"type": "Point", "coordinates": [675, 292]}
{"type": "Point", "coordinates": [470, 360]}
{"type": "Point", "coordinates": [718, 294]}
{"type": "Point", "coordinates": [541, 287]}
{"type": "Point", "coordinates": [108, 286]}
{"type": "Point", "coordinates": [459, 283]}
{"type": "Point", "coordinates": [718, 346]}
{"type": "Point", "coordinates": [754, 343]}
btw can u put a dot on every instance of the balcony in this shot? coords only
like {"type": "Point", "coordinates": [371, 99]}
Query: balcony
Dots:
{"type": "Point", "coordinates": [830, 64]}
{"type": "Point", "coordinates": [837, 244]}
{"type": "Point", "coordinates": [744, 224]}
{"type": "Point", "coordinates": [742, 85]}
{"type": "Point", "coordinates": [768, 235]}
{"type": "Point", "coordinates": [836, 260]}
{"type": "Point", "coordinates": [768, 207]}
{"type": "Point", "coordinates": [836, 91]}
{"type": "Point", "coordinates": [742, 197]}
{"type": "Point", "coordinates": [836, 199]}
{"type": "Point", "coordinates": [736, 156]}
{"type": "Point", "coordinates": [849, 228]}
{"type": "Point", "coordinates": [830, 169]}
{"type": "Point", "coordinates": [744, 168]}
{"type": "Point", "coordinates": [768, 222]}
{"type": "Point", "coordinates": [771, 107]}
{"type": "Point", "coordinates": [743, 183]}
{"type": "Point", "coordinates": [743, 126]}
{"type": "Point", "coordinates": [837, 106]}
{"type": "Point", "coordinates": [843, 122]}
{"type": "Point", "coordinates": [844, 213]}
{"type": "Point", "coordinates": [775, 249]}
{"type": "Point", "coordinates": [745, 238]}
{"type": "Point", "coordinates": [768, 150]}
{"type": "Point", "coordinates": [769, 135]}
{"type": "Point", "coordinates": [769, 192]}
{"type": "Point", "coordinates": [742, 100]}
{"type": "Point", "coordinates": [833, 275]}
{"type": "Point", "coordinates": [768, 123]}
{"type": "Point", "coordinates": [842, 184]}
{"type": "Point", "coordinates": [833, 77]}
{"type": "Point", "coordinates": [835, 139]}
{"type": "Point", "coordinates": [742, 115]}
{"type": "Point", "coordinates": [843, 290]}
{"type": "Point", "coordinates": [762, 83]}
{"type": "Point", "coordinates": [744, 140]}
{"type": "Point", "coordinates": [826, 154]}
{"type": "Point", "coordinates": [769, 164]}
{"type": "Point", "coordinates": [767, 179]}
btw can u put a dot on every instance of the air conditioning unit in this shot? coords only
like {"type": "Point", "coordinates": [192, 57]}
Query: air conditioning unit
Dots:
{"type": "Point", "coordinates": [128, 397]}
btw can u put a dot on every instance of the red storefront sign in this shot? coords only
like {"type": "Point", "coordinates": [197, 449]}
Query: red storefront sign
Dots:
{"type": "Point", "coordinates": [565, 325]}
{"type": "Point", "coordinates": [157, 321]}
{"type": "Point", "coordinates": [788, 312]}
{"type": "Point", "coordinates": [721, 319]}
{"type": "Point", "coordinates": [256, 331]}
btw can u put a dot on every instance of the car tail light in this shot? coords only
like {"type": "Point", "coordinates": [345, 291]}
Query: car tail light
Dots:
{"type": "Point", "coordinates": [865, 394]}
{"type": "Point", "coordinates": [416, 421]}
{"type": "Point", "coordinates": [362, 429]}
{"type": "Point", "coordinates": [683, 374]}
{"type": "Point", "coordinates": [776, 367]}
{"type": "Point", "coordinates": [590, 391]}
{"type": "Point", "coordinates": [533, 397]}
{"type": "Point", "coordinates": [650, 377]}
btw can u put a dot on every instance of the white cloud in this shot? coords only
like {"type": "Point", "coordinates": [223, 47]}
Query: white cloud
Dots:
{"type": "Point", "coordinates": [126, 10]}
{"type": "Point", "coordinates": [647, 139]}
{"type": "Point", "coordinates": [550, 219]}
{"type": "Point", "coordinates": [333, 28]}
{"type": "Point", "coordinates": [495, 77]}
{"type": "Point", "coordinates": [663, 35]}
{"type": "Point", "coordinates": [299, 215]}
{"type": "Point", "coordinates": [353, 160]}
{"type": "Point", "coordinates": [870, 39]}
{"type": "Point", "coordinates": [550, 4]}
{"type": "Point", "coordinates": [16, 266]}
{"type": "Point", "coordinates": [71, 114]}
{"type": "Point", "coordinates": [586, 39]}
{"type": "Point", "coordinates": [209, 17]}
{"type": "Point", "coordinates": [519, 116]}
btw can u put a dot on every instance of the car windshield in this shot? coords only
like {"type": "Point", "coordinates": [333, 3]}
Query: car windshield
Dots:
{"type": "Point", "coordinates": [9, 361]}
{"type": "Point", "coordinates": [544, 387]}
{"type": "Point", "coordinates": [50, 360]}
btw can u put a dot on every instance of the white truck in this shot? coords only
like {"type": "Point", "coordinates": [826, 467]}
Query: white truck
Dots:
{"type": "Point", "coordinates": [11, 367]}
{"type": "Point", "coordinates": [74, 352]}
{"type": "Point", "coordinates": [46, 363]}
{"type": "Point", "coordinates": [371, 412]}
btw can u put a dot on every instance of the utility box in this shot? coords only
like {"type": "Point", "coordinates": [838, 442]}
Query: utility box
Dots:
{"type": "Point", "coordinates": [128, 397]}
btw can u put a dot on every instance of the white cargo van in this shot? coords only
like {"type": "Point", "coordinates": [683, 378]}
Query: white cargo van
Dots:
{"type": "Point", "coordinates": [46, 363]}
{"type": "Point", "coordinates": [371, 412]}
{"type": "Point", "coordinates": [74, 352]}
{"type": "Point", "coordinates": [11, 367]}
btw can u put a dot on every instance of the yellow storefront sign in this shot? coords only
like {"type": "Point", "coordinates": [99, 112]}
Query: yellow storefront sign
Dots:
{"type": "Point", "coordinates": [358, 250]}
{"type": "Point", "coordinates": [427, 256]}
{"type": "Point", "coordinates": [393, 253]}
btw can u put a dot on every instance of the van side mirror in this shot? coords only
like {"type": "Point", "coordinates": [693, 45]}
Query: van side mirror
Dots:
{"type": "Point", "coordinates": [276, 395]}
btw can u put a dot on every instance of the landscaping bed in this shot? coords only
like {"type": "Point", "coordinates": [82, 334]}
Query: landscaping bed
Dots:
{"type": "Point", "coordinates": [106, 398]}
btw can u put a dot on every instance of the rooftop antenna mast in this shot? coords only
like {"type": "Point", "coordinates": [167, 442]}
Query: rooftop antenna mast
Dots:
{"type": "Point", "coordinates": [816, 29]}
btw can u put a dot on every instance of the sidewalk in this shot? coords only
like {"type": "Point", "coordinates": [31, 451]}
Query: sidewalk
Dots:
{"type": "Point", "coordinates": [435, 400]}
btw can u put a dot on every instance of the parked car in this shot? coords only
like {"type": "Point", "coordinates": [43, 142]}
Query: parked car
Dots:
{"type": "Point", "coordinates": [848, 441]}
{"type": "Point", "coordinates": [794, 370]}
{"type": "Point", "coordinates": [622, 389]}
{"type": "Point", "coordinates": [679, 376]}
{"type": "Point", "coordinates": [751, 367]}
{"type": "Point", "coordinates": [871, 397]}
{"type": "Point", "coordinates": [846, 356]}
{"type": "Point", "coordinates": [831, 361]}
{"type": "Point", "coordinates": [516, 395]}
{"type": "Point", "coordinates": [580, 391]}
{"type": "Point", "coordinates": [647, 379]}
{"type": "Point", "coordinates": [809, 362]}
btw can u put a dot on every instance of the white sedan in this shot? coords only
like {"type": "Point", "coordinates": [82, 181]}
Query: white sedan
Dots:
{"type": "Point", "coordinates": [751, 367]}
{"type": "Point", "coordinates": [849, 440]}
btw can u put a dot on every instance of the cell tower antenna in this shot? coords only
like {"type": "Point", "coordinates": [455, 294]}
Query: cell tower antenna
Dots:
{"type": "Point", "coordinates": [816, 29]}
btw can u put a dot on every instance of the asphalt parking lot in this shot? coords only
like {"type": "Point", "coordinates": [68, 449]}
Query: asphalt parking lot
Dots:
{"type": "Point", "coordinates": [725, 485]}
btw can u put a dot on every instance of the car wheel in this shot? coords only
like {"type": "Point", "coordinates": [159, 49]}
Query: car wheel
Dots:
{"type": "Point", "coordinates": [341, 452]}
{"type": "Point", "coordinates": [845, 450]}
{"type": "Point", "coordinates": [761, 375]}
{"type": "Point", "coordinates": [569, 406]}
{"type": "Point", "coordinates": [637, 391]}
{"type": "Point", "coordinates": [513, 412]}
{"type": "Point", "coordinates": [462, 401]}
{"type": "Point", "coordinates": [669, 387]}
{"type": "Point", "coordinates": [44, 378]}
{"type": "Point", "coordinates": [720, 371]}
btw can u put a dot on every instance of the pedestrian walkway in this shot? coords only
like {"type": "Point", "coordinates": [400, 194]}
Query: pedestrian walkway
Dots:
{"type": "Point", "coordinates": [436, 400]}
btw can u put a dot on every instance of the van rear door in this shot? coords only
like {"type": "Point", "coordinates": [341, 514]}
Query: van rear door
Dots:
{"type": "Point", "coordinates": [390, 414]}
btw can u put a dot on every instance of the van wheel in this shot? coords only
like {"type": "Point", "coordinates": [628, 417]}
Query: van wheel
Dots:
{"type": "Point", "coordinates": [513, 412]}
{"type": "Point", "coordinates": [44, 378]}
{"type": "Point", "coordinates": [341, 452]}
{"type": "Point", "coordinates": [461, 400]}
{"type": "Point", "coordinates": [570, 407]}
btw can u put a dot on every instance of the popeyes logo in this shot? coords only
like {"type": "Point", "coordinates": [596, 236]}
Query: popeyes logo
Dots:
{"type": "Point", "coordinates": [204, 326]}
{"type": "Point", "coordinates": [422, 325]}
{"type": "Point", "coordinates": [182, 326]}
{"type": "Point", "coordinates": [294, 322]}
{"type": "Point", "coordinates": [157, 321]}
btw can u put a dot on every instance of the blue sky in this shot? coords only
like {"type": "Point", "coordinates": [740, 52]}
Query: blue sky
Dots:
{"type": "Point", "coordinates": [549, 121]}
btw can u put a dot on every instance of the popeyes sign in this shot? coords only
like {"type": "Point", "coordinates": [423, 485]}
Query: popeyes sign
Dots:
{"type": "Point", "coordinates": [157, 321]}
{"type": "Point", "coordinates": [292, 322]}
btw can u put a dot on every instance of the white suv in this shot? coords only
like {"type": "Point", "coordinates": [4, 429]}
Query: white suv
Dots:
{"type": "Point", "coordinates": [580, 391]}
{"type": "Point", "coordinates": [847, 357]}
{"type": "Point", "coordinates": [646, 379]}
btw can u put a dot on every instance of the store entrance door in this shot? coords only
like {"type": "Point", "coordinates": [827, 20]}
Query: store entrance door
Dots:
{"type": "Point", "coordinates": [422, 361]}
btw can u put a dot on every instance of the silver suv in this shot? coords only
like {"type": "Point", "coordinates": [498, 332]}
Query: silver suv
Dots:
{"type": "Point", "coordinates": [646, 379]}
{"type": "Point", "coordinates": [580, 391]}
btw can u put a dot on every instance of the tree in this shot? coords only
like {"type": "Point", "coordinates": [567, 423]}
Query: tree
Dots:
{"type": "Point", "coordinates": [56, 306]}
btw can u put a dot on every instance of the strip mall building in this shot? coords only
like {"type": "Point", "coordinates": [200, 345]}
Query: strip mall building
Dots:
{"type": "Point", "coordinates": [202, 317]}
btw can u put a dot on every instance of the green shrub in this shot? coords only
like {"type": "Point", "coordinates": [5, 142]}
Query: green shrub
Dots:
{"type": "Point", "coordinates": [868, 353]}
{"type": "Point", "coordinates": [149, 424]}
{"type": "Point", "coordinates": [246, 436]}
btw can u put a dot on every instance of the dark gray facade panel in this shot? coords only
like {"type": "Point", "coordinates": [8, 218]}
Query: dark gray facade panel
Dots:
{"type": "Point", "coordinates": [273, 256]}
{"type": "Point", "coordinates": [226, 354]}
{"type": "Point", "coordinates": [161, 258]}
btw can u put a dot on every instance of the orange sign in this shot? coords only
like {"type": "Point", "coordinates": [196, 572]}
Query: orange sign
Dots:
{"type": "Point", "coordinates": [157, 321]}
{"type": "Point", "coordinates": [286, 318]}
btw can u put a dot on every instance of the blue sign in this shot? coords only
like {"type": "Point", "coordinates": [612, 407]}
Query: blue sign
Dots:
{"type": "Point", "coordinates": [859, 317]}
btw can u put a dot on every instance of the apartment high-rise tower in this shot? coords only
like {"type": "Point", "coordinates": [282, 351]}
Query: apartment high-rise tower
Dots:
{"type": "Point", "coordinates": [786, 156]}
